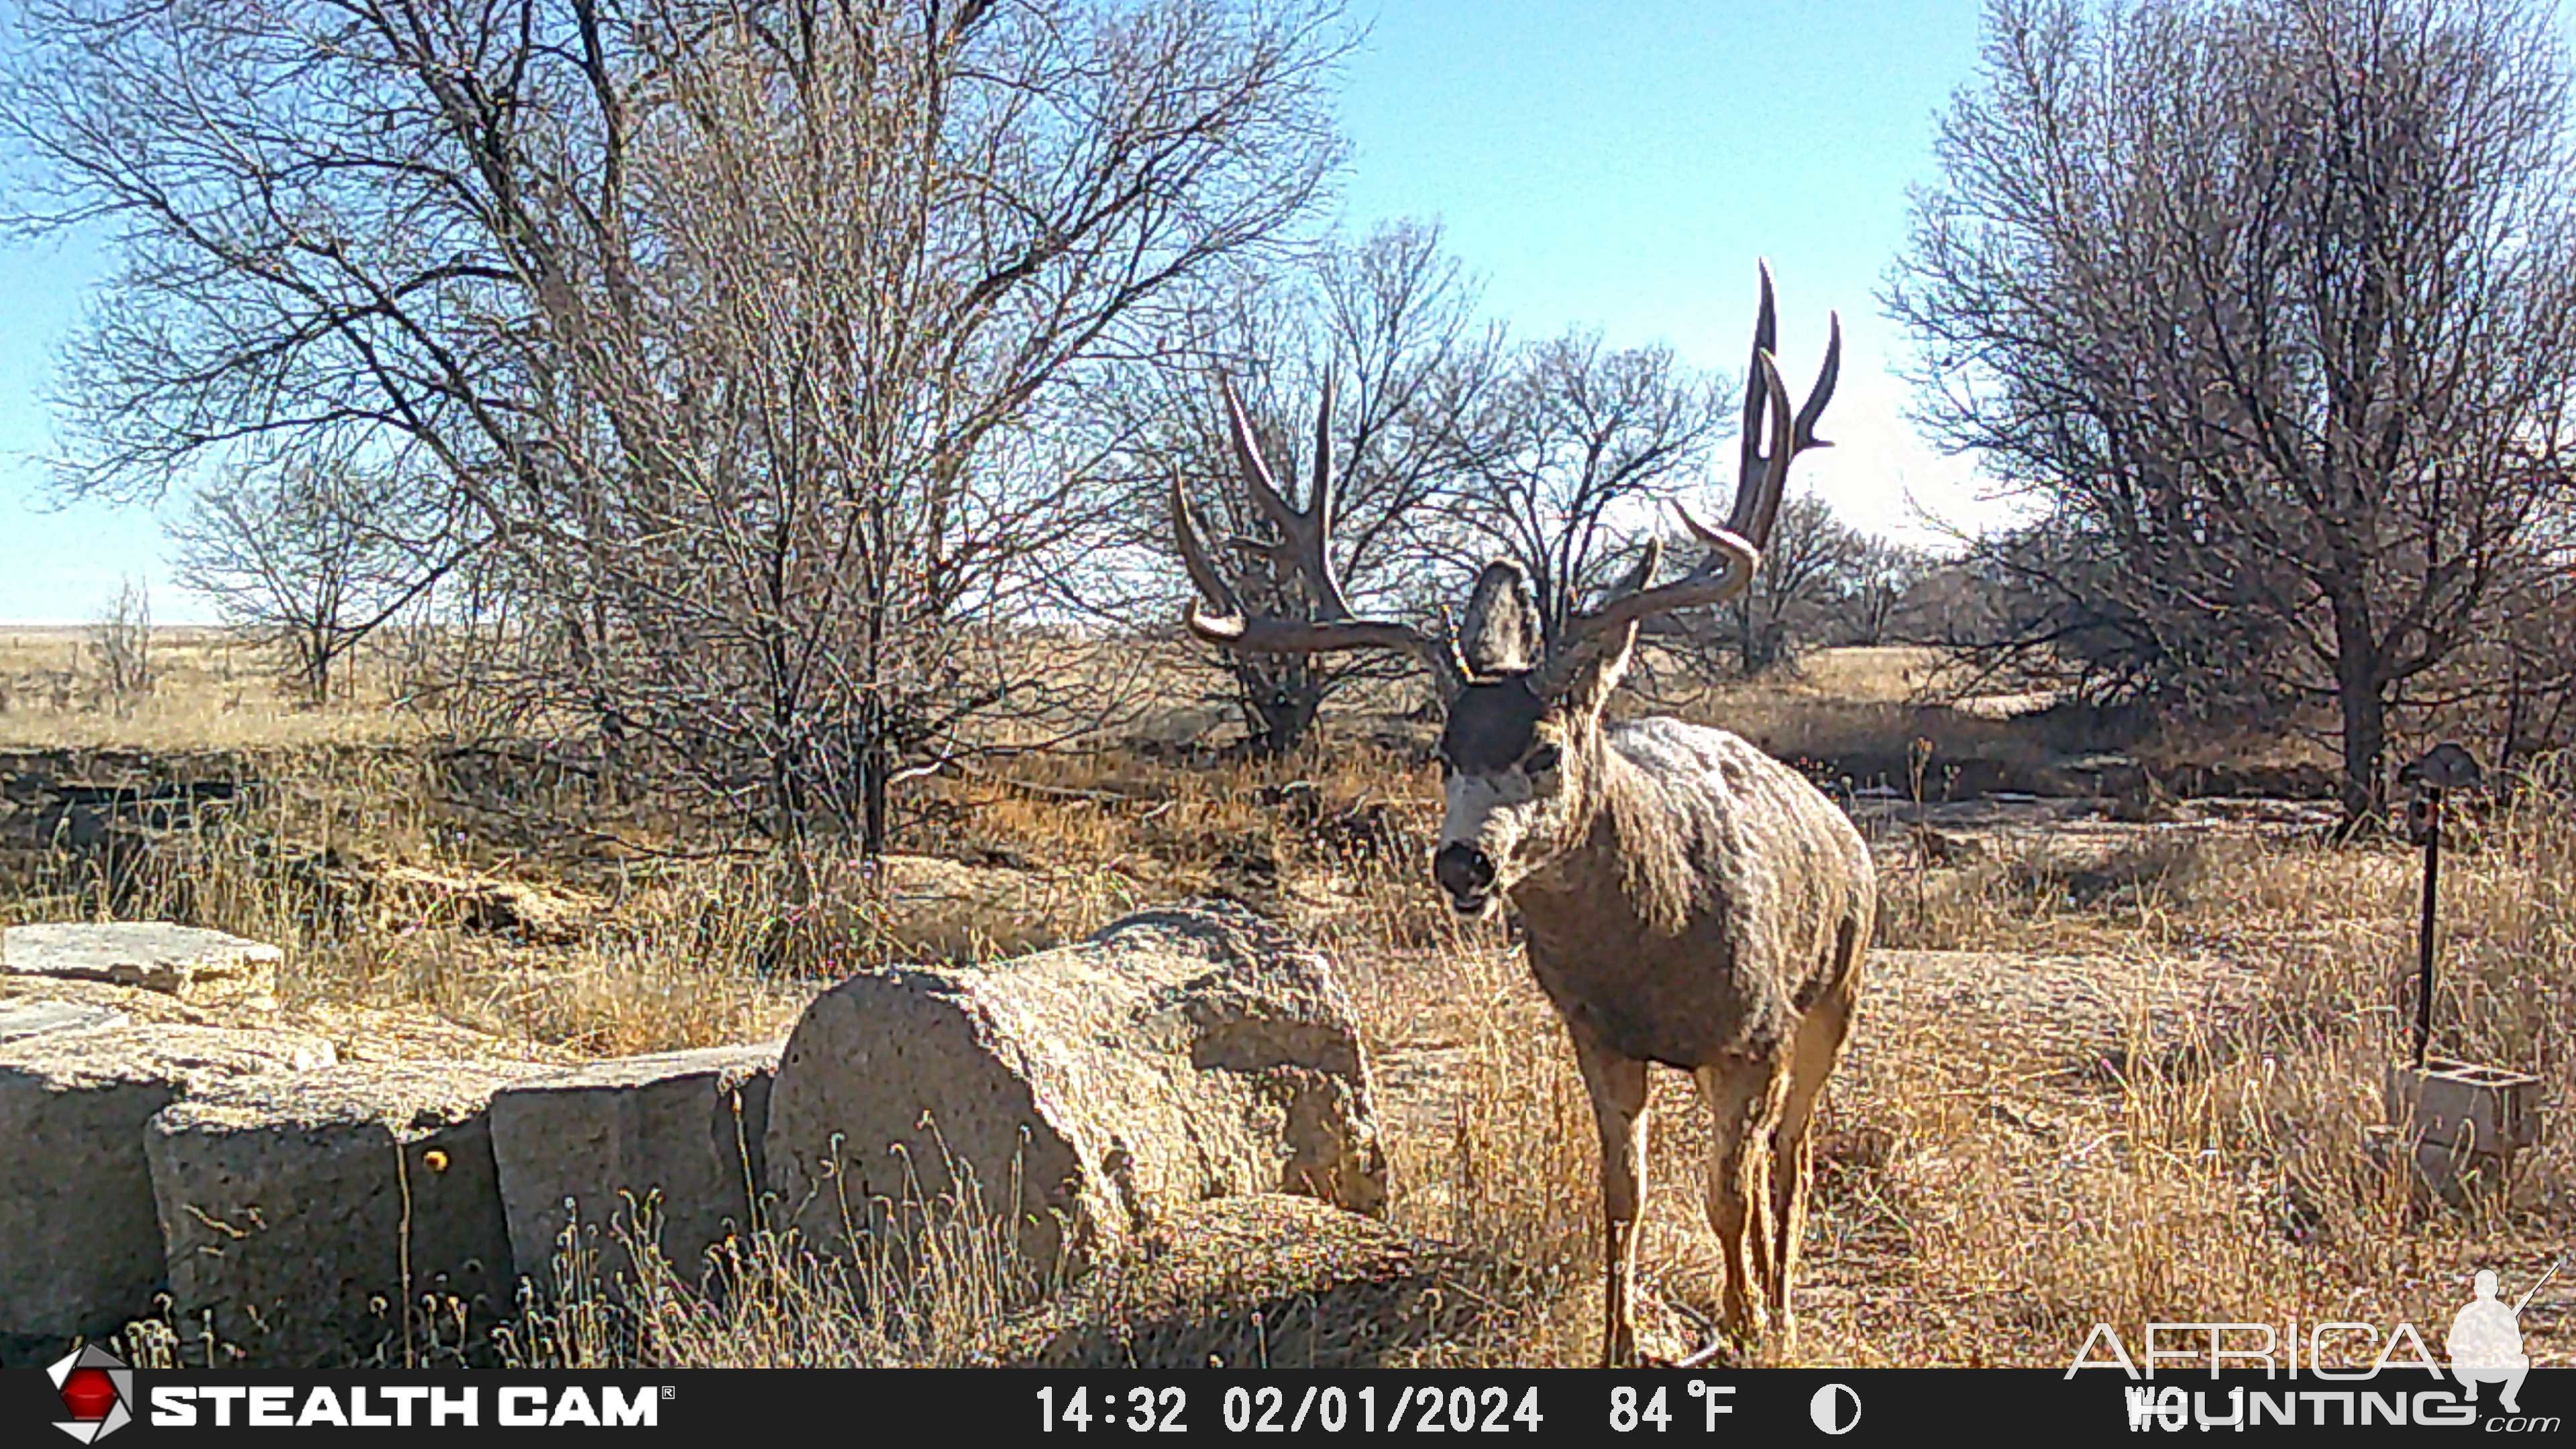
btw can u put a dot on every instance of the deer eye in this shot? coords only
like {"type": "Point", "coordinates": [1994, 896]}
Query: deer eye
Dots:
{"type": "Point", "coordinates": [1542, 759]}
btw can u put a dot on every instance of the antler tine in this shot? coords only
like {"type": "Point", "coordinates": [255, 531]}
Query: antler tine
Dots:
{"type": "Point", "coordinates": [1319, 498]}
{"type": "Point", "coordinates": [1211, 585]}
{"type": "Point", "coordinates": [1235, 629]}
{"type": "Point", "coordinates": [1735, 551]}
{"type": "Point", "coordinates": [1650, 561]}
{"type": "Point", "coordinates": [1247, 456]}
{"type": "Point", "coordinates": [1766, 338]}
{"type": "Point", "coordinates": [1823, 392]}
{"type": "Point", "coordinates": [1305, 537]}
{"type": "Point", "coordinates": [1761, 477]}
{"type": "Point", "coordinates": [1303, 547]}
{"type": "Point", "coordinates": [1719, 577]}
{"type": "Point", "coordinates": [1757, 497]}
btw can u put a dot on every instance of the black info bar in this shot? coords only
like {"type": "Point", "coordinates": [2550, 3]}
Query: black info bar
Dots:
{"type": "Point", "coordinates": [100, 1399]}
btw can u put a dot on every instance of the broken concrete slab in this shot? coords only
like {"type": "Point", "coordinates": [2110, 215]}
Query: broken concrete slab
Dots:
{"type": "Point", "coordinates": [34, 1018]}
{"type": "Point", "coordinates": [678, 1132]}
{"type": "Point", "coordinates": [196, 965]}
{"type": "Point", "coordinates": [379, 1034]}
{"type": "Point", "coordinates": [1178, 1055]}
{"type": "Point", "coordinates": [339, 1216]}
{"type": "Point", "coordinates": [135, 1004]}
{"type": "Point", "coordinates": [80, 1243]}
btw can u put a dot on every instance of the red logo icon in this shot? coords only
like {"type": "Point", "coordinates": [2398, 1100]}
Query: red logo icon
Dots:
{"type": "Point", "coordinates": [97, 1390]}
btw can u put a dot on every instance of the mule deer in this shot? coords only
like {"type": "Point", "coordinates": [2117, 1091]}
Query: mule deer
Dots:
{"type": "Point", "coordinates": [1686, 898]}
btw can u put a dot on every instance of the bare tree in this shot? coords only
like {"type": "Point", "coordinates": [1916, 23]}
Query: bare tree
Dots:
{"type": "Point", "coordinates": [312, 559]}
{"type": "Point", "coordinates": [1566, 459]}
{"type": "Point", "coordinates": [1810, 561]}
{"type": "Point", "coordinates": [2270, 304]}
{"type": "Point", "coordinates": [2052, 601]}
{"type": "Point", "coordinates": [2539, 647]}
{"type": "Point", "coordinates": [120, 644]}
{"type": "Point", "coordinates": [1881, 592]}
{"type": "Point", "coordinates": [739, 325]}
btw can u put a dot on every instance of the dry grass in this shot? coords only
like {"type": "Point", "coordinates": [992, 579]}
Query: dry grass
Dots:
{"type": "Point", "coordinates": [210, 691]}
{"type": "Point", "coordinates": [2142, 1096]}
{"type": "Point", "coordinates": [1879, 674]}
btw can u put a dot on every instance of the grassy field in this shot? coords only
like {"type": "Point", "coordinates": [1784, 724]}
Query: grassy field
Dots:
{"type": "Point", "coordinates": [2108, 1069]}
{"type": "Point", "coordinates": [211, 690]}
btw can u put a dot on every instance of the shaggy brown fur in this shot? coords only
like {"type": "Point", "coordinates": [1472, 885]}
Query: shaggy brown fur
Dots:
{"type": "Point", "coordinates": [1689, 900]}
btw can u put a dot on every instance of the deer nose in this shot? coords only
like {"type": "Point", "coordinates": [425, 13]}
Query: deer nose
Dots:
{"type": "Point", "coordinates": [1462, 870]}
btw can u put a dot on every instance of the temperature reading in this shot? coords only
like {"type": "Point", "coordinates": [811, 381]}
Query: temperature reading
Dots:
{"type": "Point", "coordinates": [1715, 1399]}
{"type": "Point", "coordinates": [1629, 1412]}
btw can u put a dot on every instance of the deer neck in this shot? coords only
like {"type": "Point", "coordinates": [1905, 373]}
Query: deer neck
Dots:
{"type": "Point", "coordinates": [1624, 865]}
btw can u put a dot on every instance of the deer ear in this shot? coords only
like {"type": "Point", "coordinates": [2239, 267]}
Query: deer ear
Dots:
{"type": "Point", "coordinates": [1500, 633]}
{"type": "Point", "coordinates": [1582, 681]}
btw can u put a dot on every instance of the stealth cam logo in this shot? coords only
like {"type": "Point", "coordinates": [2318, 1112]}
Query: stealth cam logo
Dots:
{"type": "Point", "coordinates": [97, 1390]}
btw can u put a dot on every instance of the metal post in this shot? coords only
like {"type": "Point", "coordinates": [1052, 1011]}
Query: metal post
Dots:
{"type": "Point", "coordinates": [2424, 932]}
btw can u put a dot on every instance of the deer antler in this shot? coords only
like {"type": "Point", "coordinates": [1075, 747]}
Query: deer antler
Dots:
{"type": "Point", "coordinates": [1753, 514]}
{"type": "Point", "coordinates": [1735, 551]}
{"type": "Point", "coordinates": [1304, 549]}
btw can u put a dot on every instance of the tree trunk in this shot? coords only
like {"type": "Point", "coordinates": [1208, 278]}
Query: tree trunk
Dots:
{"type": "Point", "coordinates": [2363, 697]}
{"type": "Point", "coordinates": [874, 831]}
{"type": "Point", "coordinates": [1279, 708]}
{"type": "Point", "coordinates": [786, 783]}
{"type": "Point", "coordinates": [1286, 715]}
{"type": "Point", "coordinates": [317, 669]}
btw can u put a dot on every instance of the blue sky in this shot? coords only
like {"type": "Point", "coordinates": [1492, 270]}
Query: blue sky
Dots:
{"type": "Point", "coordinates": [1618, 166]}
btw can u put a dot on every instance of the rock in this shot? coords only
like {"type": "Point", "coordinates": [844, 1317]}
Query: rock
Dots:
{"type": "Point", "coordinates": [33, 1018]}
{"type": "Point", "coordinates": [377, 1034]}
{"type": "Point", "coordinates": [680, 1130]}
{"type": "Point", "coordinates": [1179, 1054]}
{"type": "Point", "coordinates": [135, 1004]}
{"type": "Point", "coordinates": [284, 1205]}
{"type": "Point", "coordinates": [195, 965]}
{"type": "Point", "coordinates": [1253, 1282]}
{"type": "Point", "coordinates": [80, 1249]}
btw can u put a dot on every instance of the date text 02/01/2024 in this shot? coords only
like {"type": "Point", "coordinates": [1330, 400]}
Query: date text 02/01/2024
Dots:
{"type": "Point", "coordinates": [1330, 1408]}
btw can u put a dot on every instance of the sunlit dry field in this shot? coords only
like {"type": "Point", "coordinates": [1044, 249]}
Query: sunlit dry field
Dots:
{"type": "Point", "coordinates": [2113, 1065]}
{"type": "Point", "coordinates": [211, 691]}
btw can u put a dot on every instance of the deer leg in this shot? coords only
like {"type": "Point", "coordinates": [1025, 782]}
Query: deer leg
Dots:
{"type": "Point", "coordinates": [1618, 1088]}
{"type": "Point", "coordinates": [1744, 1096]}
{"type": "Point", "coordinates": [1820, 1044]}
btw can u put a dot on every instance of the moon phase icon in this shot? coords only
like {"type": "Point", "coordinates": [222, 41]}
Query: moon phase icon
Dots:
{"type": "Point", "coordinates": [1835, 1408]}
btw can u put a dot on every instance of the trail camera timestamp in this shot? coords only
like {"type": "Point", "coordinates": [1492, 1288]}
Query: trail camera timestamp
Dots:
{"type": "Point", "coordinates": [1143, 1409]}
{"type": "Point", "coordinates": [1291, 1409]}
